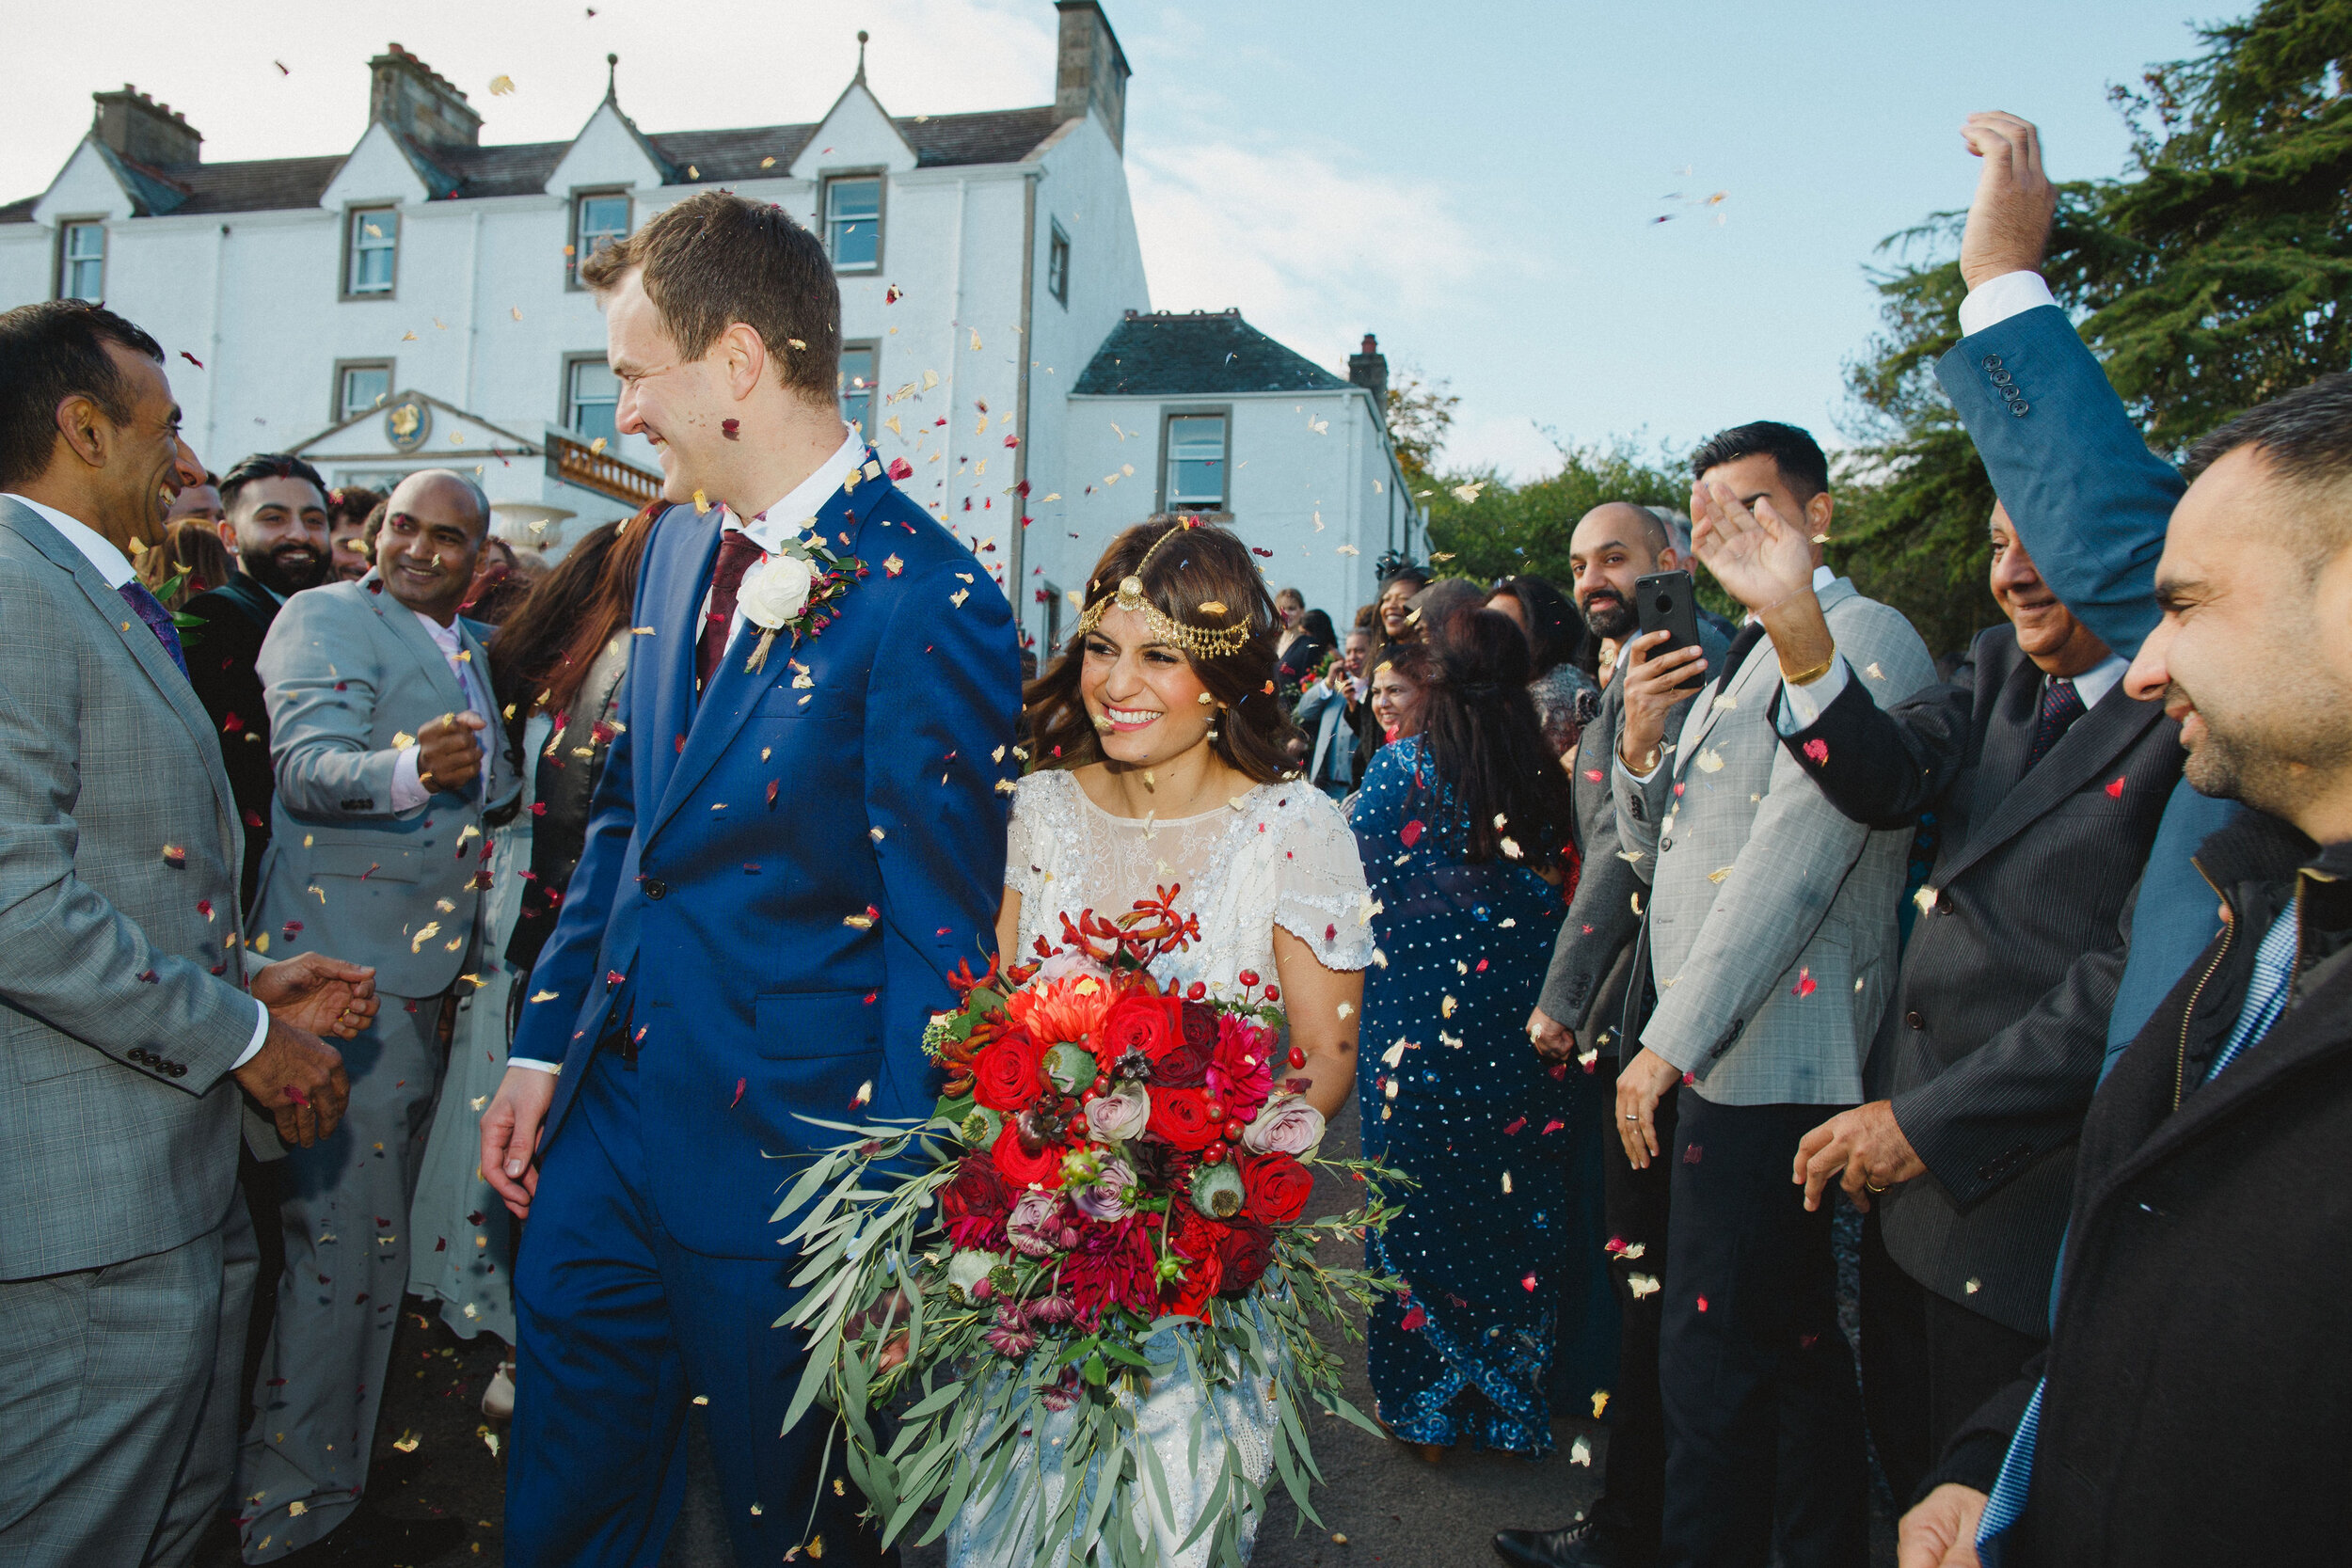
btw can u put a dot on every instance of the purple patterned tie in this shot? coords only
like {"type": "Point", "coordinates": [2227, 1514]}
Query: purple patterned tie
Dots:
{"type": "Point", "coordinates": [158, 619]}
{"type": "Point", "coordinates": [2061, 704]}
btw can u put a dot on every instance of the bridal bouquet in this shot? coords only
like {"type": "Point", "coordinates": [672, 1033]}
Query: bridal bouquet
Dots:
{"type": "Point", "coordinates": [1111, 1158]}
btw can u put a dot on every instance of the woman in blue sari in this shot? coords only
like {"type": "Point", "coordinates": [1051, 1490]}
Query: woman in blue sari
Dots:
{"type": "Point", "coordinates": [1465, 829]}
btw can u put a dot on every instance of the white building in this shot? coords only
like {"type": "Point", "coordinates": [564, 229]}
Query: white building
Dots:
{"type": "Point", "coordinates": [414, 302]}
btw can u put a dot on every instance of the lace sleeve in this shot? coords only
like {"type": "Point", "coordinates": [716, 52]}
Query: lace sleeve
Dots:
{"type": "Point", "coordinates": [1320, 896]}
{"type": "Point", "coordinates": [1025, 841]}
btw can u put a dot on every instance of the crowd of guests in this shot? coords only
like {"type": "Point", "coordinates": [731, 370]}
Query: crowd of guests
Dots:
{"type": "Point", "coordinates": [1656, 970]}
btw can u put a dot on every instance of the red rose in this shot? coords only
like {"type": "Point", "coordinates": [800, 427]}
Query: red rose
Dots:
{"type": "Point", "coordinates": [976, 1203]}
{"type": "Point", "coordinates": [1277, 1187]}
{"type": "Point", "coordinates": [1186, 1063]}
{"type": "Point", "coordinates": [1180, 1118]}
{"type": "Point", "coordinates": [1242, 1255]}
{"type": "Point", "coordinates": [1137, 1021]}
{"type": "Point", "coordinates": [1004, 1078]}
{"type": "Point", "coordinates": [1022, 1168]}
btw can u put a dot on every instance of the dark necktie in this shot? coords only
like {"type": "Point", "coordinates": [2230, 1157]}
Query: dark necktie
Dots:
{"type": "Point", "coordinates": [736, 554]}
{"type": "Point", "coordinates": [151, 610]}
{"type": "Point", "coordinates": [1741, 647]}
{"type": "Point", "coordinates": [2061, 706]}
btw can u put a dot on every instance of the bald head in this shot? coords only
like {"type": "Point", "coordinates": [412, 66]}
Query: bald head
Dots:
{"type": "Point", "coordinates": [1614, 543]}
{"type": "Point", "coordinates": [433, 526]}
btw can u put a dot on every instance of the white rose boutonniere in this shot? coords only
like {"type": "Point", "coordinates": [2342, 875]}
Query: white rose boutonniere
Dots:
{"type": "Point", "coordinates": [784, 591]}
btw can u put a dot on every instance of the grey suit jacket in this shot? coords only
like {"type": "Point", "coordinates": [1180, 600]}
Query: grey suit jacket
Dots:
{"type": "Point", "coordinates": [1773, 934]}
{"type": "Point", "coordinates": [122, 1000]}
{"type": "Point", "coordinates": [1323, 713]}
{"type": "Point", "coordinates": [352, 677]}
{"type": "Point", "coordinates": [1584, 989]}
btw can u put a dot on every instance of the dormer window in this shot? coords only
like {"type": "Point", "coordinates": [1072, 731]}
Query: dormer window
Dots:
{"type": "Point", "coordinates": [372, 251]}
{"type": "Point", "coordinates": [598, 219]}
{"type": "Point", "coordinates": [82, 262]}
{"type": "Point", "coordinates": [853, 222]}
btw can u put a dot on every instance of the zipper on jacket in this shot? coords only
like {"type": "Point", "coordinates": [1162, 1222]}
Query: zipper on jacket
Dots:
{"type": "Point", "coordinates": [2229, 933]}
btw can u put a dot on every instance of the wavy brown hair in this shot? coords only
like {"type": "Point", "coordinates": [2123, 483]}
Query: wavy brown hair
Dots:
{"type": "Point", "coordinates": [1484, 741]}
{"type": "Point", "coordinates": [1207, 567]}
{"type": "Point", "coordinates": [544, 650]}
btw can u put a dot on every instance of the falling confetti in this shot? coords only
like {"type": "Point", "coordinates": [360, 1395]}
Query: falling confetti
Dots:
{"type": "Point", "coordinates": [501, 86]}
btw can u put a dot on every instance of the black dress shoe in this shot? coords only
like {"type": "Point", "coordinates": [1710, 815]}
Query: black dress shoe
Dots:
{"type": "Point", "coordinates": [1583, 1545]}
{"type": "Point", "coordinates": [371, 1540]}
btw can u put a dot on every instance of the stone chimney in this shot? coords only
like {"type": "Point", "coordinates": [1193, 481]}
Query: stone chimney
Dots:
{"type": "Point", "coordinates": [138, 128]}
{"type": "Point", "coordinates": [1370, 371]}
{"type": "Point", "coordinates": [1092, 71]}
{"type": "Point", "coordinates": [418, 102]}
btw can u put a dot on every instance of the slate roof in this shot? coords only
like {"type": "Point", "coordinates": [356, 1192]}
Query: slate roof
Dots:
{"type": "Point", "coordinates": [1201, 354]}
{"type": "Point", "coordinates": [522, 168]}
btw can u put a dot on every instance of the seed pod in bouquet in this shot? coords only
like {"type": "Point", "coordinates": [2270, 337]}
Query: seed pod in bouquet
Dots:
{"type": "Point", "coordinates": [1216, 1191]}
{"type": "Point", "coordinates": [1070, 1068]}
{"type": "Point", "coordinates": [980, 1127]}
{"type": "Point", "coordinates": [967, 1269]}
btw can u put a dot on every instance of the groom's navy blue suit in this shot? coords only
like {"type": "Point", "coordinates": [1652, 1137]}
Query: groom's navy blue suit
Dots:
{"type": "Point", "coordinates": [777, 881]}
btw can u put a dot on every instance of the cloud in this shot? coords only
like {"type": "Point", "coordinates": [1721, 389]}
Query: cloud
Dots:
{"type": "Point", "coordinates": [1314, 251]}
{"type": "Point", "coordinates": [1510, 442]}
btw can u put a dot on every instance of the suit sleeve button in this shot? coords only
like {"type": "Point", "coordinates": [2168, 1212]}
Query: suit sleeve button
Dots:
{"type": "Point", "coordinates": [1913, 1019]}
{"type": "Point", "coordinates": [656, 888]}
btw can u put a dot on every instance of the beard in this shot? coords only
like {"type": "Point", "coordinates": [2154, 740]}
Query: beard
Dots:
{"type": "Point", "coordinates": [285, 568]}
{"type": "Point", "coordinates": [2271, 759]}
{"type": "Point", "coordinates": [1610, 617]}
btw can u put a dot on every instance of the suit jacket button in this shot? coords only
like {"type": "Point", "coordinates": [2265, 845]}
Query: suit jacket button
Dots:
{"type": "Point", "coordinates": [179, 1069]}
{"type": "Point", "coordinates": [1992, 361]}
{"type": "Point", "coordinates": [1913, 1019]}
{"type": "Point", "coordinates": [656, 888]}
{"type": "Point", "coordinates": [2019, 407]}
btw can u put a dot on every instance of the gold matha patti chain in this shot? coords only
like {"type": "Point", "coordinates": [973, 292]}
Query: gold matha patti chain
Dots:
{"type": "Point", "coordinates": [1197, 641]}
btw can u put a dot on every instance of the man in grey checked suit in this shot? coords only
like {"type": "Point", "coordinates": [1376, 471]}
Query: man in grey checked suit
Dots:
{"type": "Point", "coordinates": [126, 1027]}
{"type": "Point", "coordinates": [379, 705]}
{"type": "Point", "coordinates": [1773, 945]}
{"type": "Point", "coordinates": [1581, 1017]}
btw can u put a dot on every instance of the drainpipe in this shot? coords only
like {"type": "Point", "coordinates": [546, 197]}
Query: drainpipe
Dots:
{"type": "Point", "coordinates": [1016, 580]}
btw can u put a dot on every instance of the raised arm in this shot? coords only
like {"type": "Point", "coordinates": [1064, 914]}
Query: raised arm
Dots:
{"type": "Point", "coordinates": [2089, 498]}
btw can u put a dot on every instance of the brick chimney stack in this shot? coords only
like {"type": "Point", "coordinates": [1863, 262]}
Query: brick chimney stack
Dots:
{"type": "Point", "coordinates": [1092, 69]}
{"type": "Point", "coordinates": [1370, 371]}
{"type": "Point", "coordinates": [138, 128]}
{"type": "Point", "coordinates": [418, 102]}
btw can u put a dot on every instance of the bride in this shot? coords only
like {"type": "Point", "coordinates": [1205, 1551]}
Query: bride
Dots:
{"type": "Point", "coordinates": [1160, 764]}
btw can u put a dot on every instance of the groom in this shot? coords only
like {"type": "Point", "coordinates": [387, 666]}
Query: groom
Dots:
{"type": "Point", "coordinates": [783, 866]}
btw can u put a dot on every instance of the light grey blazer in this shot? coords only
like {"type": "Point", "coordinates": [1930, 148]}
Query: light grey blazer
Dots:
{"type": "Point", "coordinates": [1334, 742]}
{"type": "Point", "coordinates": [122, 1000]}
{"type": "Point", "coordinates": [352, 677]}
{"type": "Point", "coordinates": [1772, 915]}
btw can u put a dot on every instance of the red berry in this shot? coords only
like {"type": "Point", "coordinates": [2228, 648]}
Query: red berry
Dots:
{"type": "Point", "coordinates": [1273, 993]}
{"type": "Point", "coordinates": [1249, 976]}
{"type": "Point", "coordinates": [1213, 1154]}
{"type": "Point", "coordinates": [1233, 1132]}
{"type": "Point", "coordinates": [1102, 1083]}
{"type": "Point", "coordinates": [1298, 1057]}
{"type": "Point", "coordinates": [1217, 1111]}
{"type": "Point", "coordinates": [1195, 992]}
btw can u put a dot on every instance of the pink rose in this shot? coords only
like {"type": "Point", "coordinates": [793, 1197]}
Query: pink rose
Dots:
{"type": "Point", "coordinates": [1120, 1114]}
{"type": "Point", "coordinates": [1286, 1126]}
{"type": "Point", "coordinates": [1104, 1200]}
{"type": "Point", "coordinates": [1064, 962]}
{"type": "Point", "coordinates": [1035, 1225]}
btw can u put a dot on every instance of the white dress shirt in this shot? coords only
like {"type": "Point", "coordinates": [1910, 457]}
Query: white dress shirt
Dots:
{"type": "Point", "coordinates": [112, 564]}
{"type": "Point", "coordinates": [788, 518]}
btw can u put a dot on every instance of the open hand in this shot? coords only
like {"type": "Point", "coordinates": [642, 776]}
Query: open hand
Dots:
{"type": "Point", "coordinates": [299, 1079]}
{"type": "Point", "coordinates": [2008, 221]}
{"type": "Point", "coordinates": [324, 996]}
{"type": "Point", "coordinates": [448, 755]}
{"type": "Point", "coordinates": [1760, 557]}
{"type": "Point", "coordinates": [510, 1137]}
{"type": "Point", "coordinates": [1865, 1145]}
{"type": "Point", "coordinates": [1645, 1081]}
{"type": "Point", "coordinates": [1941, 1532]}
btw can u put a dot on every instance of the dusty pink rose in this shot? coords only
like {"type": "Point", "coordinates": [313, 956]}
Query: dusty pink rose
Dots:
{"type": "Point", "coordinates": [1286, 1126]}
{"type": "Point", "coordinates": [1035, 1225]}
{"type": "Point", "coordinates": [1064, 962]}
{"type": "Point", "coordinates": [1101, 1199]}
{"type": "Point", "coordinates": [1120, 1114]}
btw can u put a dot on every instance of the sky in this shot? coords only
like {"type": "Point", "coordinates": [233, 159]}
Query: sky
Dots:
{"type": "Point", "coordinates": [1480, 185]}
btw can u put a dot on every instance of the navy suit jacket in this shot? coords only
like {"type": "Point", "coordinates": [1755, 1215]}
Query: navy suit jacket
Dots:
{"type": "Point", "coordinates": [2091, 504]}
{"type": "Point", "coordinates": [779, 879]}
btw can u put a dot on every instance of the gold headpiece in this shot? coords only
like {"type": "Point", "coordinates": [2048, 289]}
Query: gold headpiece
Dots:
{"type": "Point", "coordinates": [1197, 641]}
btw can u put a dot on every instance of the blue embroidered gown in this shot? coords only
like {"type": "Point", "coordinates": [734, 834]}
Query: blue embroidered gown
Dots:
{"type": "Point", "coordinates": [1451, 1093]}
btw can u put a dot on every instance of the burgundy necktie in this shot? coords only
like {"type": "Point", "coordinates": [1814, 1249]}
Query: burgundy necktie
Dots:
{"type": "Point", "coordinates": [736, 554]}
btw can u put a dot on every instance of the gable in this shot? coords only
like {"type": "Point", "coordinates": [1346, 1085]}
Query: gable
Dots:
{"type": "Point", "coordinates": [88, 186]}
{"type": "Point", "coordinates": [380, 168]}
{"type": "Point", "coordinates": [441, 435]}
{"type": "Point", "coordinates": [854, 134]}
{"type": "Point", "coordinates": [608, 152]}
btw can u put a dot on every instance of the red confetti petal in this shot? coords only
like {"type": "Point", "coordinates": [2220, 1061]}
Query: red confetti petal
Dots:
{"type": "Point", "coordinates": [1411, 833]}
{"type": "Point", "coordinates": [1694, 1154]}
{"type": "Point", "coordinates": [1592, 775]}
{"type": "Point", "coordinates": [1551, 1127]}
{"type": "Point", "coordinates": [1527, 1283]}
{"type": "Point", "coordinates": [204, 908]}
{"type": "Point", "coordinates": [901, 468]}
{"type": "Point", "coordinates": [740, 1083]}
{"type": "Point", "coordinates": [1702, 1304]}
{"type": "Point", "coordinates": [2115, 789]}
{"type": "Point", "coordinates": [252, 817]}
{"type": "Point", "coordinates": [1414, 1319]}
{"type": "Point", "coordinates": [1515, 1123]}
{"type": "Point", "coordinates": [230, 723]}
{"type": "Point", "coordinates": [1805, 984]}
{"type": "Point", "coordinates": [183, 353]}
{"type": "Point", "coordinates": [1818, 750]}
{"type": "Point", "coordinates": [730, 428]}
